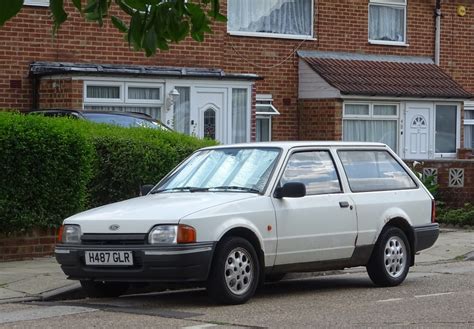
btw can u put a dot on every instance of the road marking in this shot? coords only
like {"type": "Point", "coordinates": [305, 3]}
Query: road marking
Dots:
{"type": "Point", "coordinates": [434, 295]}
{"type": "Point", "coordinates": [42, 313]}
{"type": "Point", "coordinates": [200, 326]}
{"type": "Point", "coordinates": [389, 300]}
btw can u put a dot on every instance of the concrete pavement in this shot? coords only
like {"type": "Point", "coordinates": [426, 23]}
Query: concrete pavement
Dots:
{"type": "Point", "coordinates": [42, 278]}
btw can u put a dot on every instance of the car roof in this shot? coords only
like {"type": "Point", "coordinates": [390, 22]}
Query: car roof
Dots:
{"type": "Point", "coordinates": [293, 144]}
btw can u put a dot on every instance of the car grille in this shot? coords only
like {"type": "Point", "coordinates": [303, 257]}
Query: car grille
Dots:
{"type": "Point", "coordinates": [113, 239]}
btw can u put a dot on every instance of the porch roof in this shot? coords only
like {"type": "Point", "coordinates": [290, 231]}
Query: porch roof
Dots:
{"type": "Point", "coordinates": [53, 68]}
{"type": "Point", "coordinates": [390, 76]}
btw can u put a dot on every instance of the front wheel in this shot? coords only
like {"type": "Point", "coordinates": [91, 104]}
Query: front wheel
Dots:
{"type": "Point", "coordinates": [98, 289]}
{"type": "Point", "coordinates": [235, 272]}
{"type": "Point", "coordinates": [388, 266]}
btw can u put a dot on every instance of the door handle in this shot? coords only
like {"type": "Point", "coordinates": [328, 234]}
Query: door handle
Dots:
{"type": "Point", "coordinates": [343, 204]}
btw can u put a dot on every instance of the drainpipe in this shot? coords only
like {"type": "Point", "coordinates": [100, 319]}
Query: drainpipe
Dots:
{"type": "Point", "coordinates": [438, 32]}
{"type": "Point", "coordinates": [35, 93]}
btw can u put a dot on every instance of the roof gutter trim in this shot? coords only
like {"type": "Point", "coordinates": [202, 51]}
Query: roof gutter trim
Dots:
{"type": "Point", "coordinates": [41, 69]}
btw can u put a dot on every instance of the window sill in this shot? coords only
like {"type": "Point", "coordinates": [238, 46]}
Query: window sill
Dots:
{"type": "Point", "coordinates": [271, 35]}
{"type": "Point", "coordinates": [388, 43]}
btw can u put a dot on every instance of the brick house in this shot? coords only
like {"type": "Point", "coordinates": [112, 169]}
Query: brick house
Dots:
{"type": "Point", "coordinates": [279, 70]}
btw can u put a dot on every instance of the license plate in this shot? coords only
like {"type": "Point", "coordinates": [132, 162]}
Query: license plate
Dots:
{"type": "Point", "coordinates": [114, 258]}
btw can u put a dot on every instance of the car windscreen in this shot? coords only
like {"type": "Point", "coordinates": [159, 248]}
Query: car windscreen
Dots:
{"type": "Point", "coordinates": [120, 120]}
{"type": "Point", "coordinates": [226, 169]}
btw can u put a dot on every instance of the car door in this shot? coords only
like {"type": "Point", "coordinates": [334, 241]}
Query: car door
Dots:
{"type": "Point", "coordinates": [321, 225]}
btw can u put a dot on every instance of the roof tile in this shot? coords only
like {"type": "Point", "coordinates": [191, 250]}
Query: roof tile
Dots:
{"type": "Point", "coordinates": [379, 78]}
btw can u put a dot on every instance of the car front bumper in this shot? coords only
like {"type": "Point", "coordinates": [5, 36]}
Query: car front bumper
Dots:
{"type": "Point", "coordinates": [425, 236]}
{"type": "Point", "coordinates": [177, 263]}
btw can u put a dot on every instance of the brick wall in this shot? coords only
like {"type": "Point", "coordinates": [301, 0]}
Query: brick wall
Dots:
{"type": "Point", "coordinates": [60, 93]}
{"type": "Point", "coordinates": [25, 245]}
{"type": "Point", "coordinates": [337, 27]}
{"type": "Point", "coordinates": [449, 192]}
{"type": "Point", "coordinates": [320, 119]}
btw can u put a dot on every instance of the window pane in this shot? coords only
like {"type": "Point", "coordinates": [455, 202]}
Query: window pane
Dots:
{"type": "Point", "coordinates": [314, 169]}
{"type": "Point", "coordinates": [380, 131]}
{"type": "Point", "coordinates": [210, 124]}
{"type": "Point", "coordinates": [468, 114]}
{"type": "Point", "coordinates": [469, 136]}
{"type": "Point", "coordinates": [445, 137]}
{"type": "Point", "coordinates": [182, 111]}
{"type": "Point", "coordinates": [291, 17]}
{"type": "Point", "coordinates": [248, 167]}
{"type": "Point", "coordinates": [263, 129]}
{"type": "Point", "coordinates": [374, 171]}
{"type": "Point", "coordinates": [385, 110]}
{"type": "Point", "coordinates": [143, 93]}
{"type": "Point", "coordinates": [386, 23]}
{"type": "Point", "coordinates": [109, 92]}
{"type": "Point", "coordinates": [239, 115]}
{"type": "Point", "coordinates": [356, 109]}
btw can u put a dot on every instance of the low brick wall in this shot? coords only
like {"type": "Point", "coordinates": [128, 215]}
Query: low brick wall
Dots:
{"type": "Point", "coordinates": [455, 179]}
{"type": "Point", "coordinates": [27, 245]}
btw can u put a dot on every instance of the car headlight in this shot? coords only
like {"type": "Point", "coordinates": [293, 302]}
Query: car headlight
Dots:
{"type": "Point", "coordinates": [169, 234]}
{"type": "Point", "coordinates": [71, 234]}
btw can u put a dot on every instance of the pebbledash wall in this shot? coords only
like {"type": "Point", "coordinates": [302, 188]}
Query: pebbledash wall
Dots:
{"type": "Point", "coordinates": [337, 27]}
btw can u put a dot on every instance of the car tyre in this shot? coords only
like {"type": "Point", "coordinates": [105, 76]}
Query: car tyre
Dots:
{"type": "Point", "coordinates": [390, 261]}
{"type": "Point", "coordinates": [235, 272]}
{"type": "Point", "coordinates": [98, 289]}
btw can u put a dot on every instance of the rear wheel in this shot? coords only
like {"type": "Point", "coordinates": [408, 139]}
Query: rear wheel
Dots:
{"type": "Point", "coordinates": [98, 289]}
{"type": "Point", "coordinates": [389, 263]}
{"type": "Point", "coordinates": [235, 272]}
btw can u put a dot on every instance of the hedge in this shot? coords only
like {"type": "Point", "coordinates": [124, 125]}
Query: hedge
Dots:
{"type": "Point", "coordinates": [52, 168]}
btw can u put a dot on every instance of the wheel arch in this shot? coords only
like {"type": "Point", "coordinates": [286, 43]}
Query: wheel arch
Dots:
{"type": "Point", "coordinates": [254, 240]}
{"type": "Point", "coordinates": [402, 224]}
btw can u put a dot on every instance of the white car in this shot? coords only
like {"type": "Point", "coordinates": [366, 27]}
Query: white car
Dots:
{"type": "Point", "coordinates": [231, 216]}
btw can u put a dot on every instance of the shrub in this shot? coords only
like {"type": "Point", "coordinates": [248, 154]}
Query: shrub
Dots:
{"type": "Point", "coordinates": [55, 167]}
{"type": "Point", "coordinates": [44, 167]}
{"type": "Point", "coordinates": [461, 216]}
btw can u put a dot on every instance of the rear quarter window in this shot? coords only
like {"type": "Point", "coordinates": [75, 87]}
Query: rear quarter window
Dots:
{"type": "Point", "coordinates": [372, 170]}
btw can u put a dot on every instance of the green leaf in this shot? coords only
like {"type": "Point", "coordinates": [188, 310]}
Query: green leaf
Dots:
{"type": "Point", "coordinates": [119, 24]}
{"type": "Point", "coordinates": [59, 15]}
{"type": "Point", "coordinates": [77, 4]}
{"type": "Point", "coordinates": [150, 42]}
{"type": "Point", "coordinates": [9, 9]}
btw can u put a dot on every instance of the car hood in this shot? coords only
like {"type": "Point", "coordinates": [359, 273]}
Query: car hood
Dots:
{"type": "Point", "coordinates": [140, 214]}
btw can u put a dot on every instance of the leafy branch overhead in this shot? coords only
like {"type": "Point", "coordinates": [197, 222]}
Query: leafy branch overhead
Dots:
{"type": "Point", "coordinates": [150, 24]}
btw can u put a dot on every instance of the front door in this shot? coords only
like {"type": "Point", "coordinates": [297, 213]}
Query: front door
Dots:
{"type": "Point", "coordinates": [208, 114]}
{"type": "Point", "coordinates": [417, 131]}
{"type": "Point", "coordinates": [321, 225]}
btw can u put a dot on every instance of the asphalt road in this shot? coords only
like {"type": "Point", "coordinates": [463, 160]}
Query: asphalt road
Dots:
{"type": "Point", "coordinates": [433, 296]}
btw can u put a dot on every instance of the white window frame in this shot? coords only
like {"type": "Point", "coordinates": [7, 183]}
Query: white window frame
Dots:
{"type": "Point", "coordinates": [393, 4]}
{"type": "Point", "coordinates": [38, 3]}
{"type": "Point", "coordinates": [101, 101]}
{"type": "Point", "coordinates": [372, 117]}
{"type": "Point", "coordinates": [265, 100]}
{"type": "Point", "coordinates": [132, 101]}
{"type": "Point", "coordinates": [265, 117]}
{"type": "Point", "coordinates": [276, 35]}
{"type": "Point", "coordinates": [468, 122]}
{"type": "Point", "coordinates": [458, 131]}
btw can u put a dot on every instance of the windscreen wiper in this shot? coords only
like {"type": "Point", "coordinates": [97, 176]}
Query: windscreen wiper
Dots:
{"type": "Point", "coordinates": [235, 188]}
{"type": "Point", "coordinates": [183, 188]}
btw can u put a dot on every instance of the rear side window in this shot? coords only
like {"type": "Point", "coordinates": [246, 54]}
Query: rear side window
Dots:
{"type": "Point", "coordinates": [374, 171]}
{"type": "Point", "coordinates": [315, 169]}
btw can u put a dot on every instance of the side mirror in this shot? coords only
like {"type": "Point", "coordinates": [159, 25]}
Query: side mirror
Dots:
{"type": "Point", "coordinates": [291, 190]}
{"type": "Point", "coordinates": [145, 189]}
